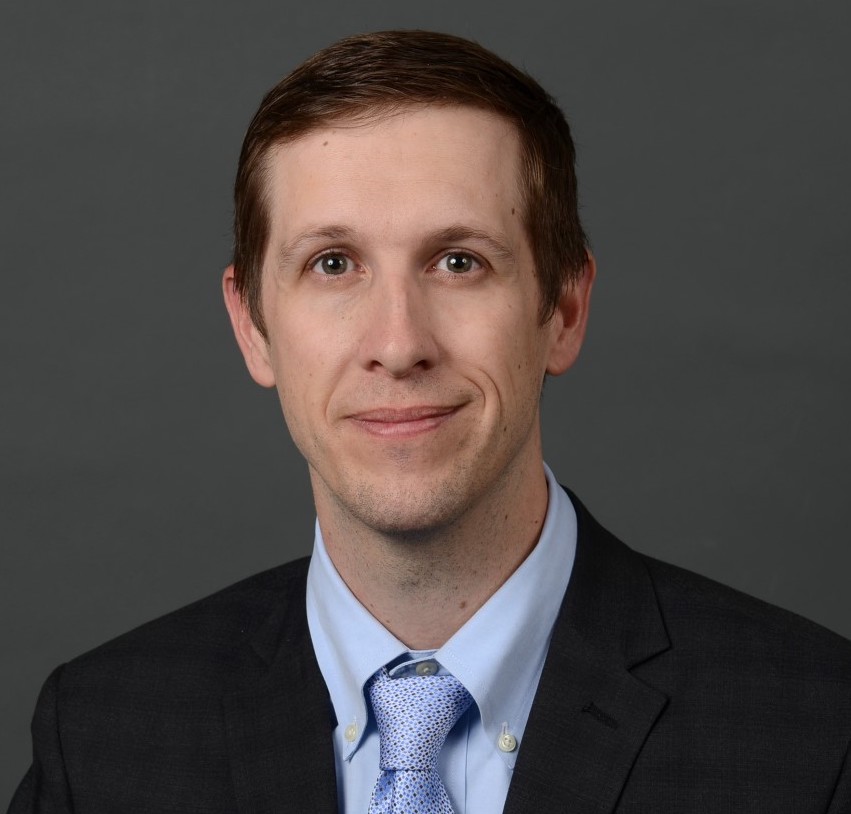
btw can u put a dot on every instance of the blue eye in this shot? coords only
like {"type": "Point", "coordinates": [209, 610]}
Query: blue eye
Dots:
{"type": "Point", "coordinates": [334, 264]}
{"type": "Point", "coordinates": [457, 262]}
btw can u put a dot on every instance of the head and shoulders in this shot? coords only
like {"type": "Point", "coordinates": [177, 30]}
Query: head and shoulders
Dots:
{"type": "Point", "coordinates": [409, 265]}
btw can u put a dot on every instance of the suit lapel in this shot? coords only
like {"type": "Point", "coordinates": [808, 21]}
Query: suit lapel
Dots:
{"type": "Point", "coordinates": [591, 715]}
{"type": "Point", "coordinates": [279, 723]}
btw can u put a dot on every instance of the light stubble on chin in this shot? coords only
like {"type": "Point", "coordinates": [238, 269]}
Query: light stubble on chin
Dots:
{"type": "Point", "coordinates": [403, 514]}
{"type": "Point", "coordinates": [427, 514]}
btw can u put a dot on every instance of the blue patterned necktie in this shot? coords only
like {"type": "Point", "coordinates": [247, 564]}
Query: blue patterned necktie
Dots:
{"type": "Point", "coordinates": [414, 716]}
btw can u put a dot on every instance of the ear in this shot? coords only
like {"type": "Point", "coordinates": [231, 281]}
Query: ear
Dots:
{"type": "Point", "coordinates": [254, 346]}
{"type": "Point", "coordinates": [568, 323]}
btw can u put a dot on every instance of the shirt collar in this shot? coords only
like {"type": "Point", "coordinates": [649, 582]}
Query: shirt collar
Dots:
{"type": "Point", "coordinates": [497, 655]}
{"type": "Point", "coordinates": [351, 645]}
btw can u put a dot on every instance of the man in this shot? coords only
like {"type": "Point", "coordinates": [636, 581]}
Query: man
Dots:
{"type": "Point", "coordinates": [408, 266]}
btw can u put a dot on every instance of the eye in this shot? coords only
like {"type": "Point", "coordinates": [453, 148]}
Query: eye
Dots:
{"type": "Point", "coordinates": [457, 262]}
{"type": "Point", "coordinates": [331, 264]}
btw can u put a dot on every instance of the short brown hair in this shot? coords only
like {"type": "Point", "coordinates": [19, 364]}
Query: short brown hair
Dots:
{"type": "Point", "coordinates": [372, 75]}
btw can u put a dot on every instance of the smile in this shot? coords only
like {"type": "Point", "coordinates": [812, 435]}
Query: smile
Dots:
{"type": "Point", "coordinates": [399, 423]}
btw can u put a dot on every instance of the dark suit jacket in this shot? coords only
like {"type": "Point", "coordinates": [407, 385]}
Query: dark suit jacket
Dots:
{"type": "Point", "coordinates": [662, 692]}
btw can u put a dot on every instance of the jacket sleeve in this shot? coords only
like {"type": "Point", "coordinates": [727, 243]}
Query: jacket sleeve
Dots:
{"type": "Point", "coordinates": [44, 789]}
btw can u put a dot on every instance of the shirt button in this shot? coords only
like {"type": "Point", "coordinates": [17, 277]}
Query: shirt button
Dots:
{"type": "Point", "coordinates": [426, 668]}
{"type": "Point", "coordinates": [506, 742]}
{"type": "Point", "coordinates": [350, 732]}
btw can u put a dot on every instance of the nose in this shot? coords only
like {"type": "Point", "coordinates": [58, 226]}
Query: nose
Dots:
{"type": "Point", "coordinates": [398, 337]}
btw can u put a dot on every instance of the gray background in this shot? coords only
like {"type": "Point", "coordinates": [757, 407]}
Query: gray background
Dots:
{"type": "Point", "coordinates": [705, 423]}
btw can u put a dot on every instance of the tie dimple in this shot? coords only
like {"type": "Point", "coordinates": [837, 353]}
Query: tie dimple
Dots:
{"type": "Point", "coordinates": [414, 715]}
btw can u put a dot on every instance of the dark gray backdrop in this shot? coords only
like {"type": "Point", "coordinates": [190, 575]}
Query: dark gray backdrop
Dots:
{"type": "Point", "coordinates": [706, 422]}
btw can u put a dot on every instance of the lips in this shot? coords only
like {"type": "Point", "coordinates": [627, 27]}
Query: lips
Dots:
{"type": "Point", "coordinates": [398, 422]}
{"type": "Point", "coordinates": [397, 415]}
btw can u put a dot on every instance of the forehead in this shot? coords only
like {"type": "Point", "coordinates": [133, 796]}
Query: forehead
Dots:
{"type": "Point", "coordinates": [432, 163]}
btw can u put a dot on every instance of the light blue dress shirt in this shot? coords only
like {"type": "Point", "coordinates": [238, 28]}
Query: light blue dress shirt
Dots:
{"type": "Point", "coordinates": [497, 655]}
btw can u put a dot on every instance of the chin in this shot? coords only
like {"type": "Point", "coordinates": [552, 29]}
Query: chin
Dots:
{"type": "Point", "coordinates": [415, 513]}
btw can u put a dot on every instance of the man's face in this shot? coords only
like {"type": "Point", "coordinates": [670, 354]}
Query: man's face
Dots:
{"type": "Point", "coordinates": [402, 313]}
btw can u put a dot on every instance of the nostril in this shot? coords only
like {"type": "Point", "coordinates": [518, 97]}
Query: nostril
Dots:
{"type": "Point", "coordinates": [399, 338]}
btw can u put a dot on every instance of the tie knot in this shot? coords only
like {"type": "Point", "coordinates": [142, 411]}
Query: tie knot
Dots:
{"type": "Point", "coordinates": [414, 715]}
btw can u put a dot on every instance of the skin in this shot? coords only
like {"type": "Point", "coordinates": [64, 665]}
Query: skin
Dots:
{"type": "Point", "coordinates": [404, 341]}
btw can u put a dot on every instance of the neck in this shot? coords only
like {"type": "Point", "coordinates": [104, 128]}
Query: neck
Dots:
{"type": "Point", "coordinates": [423, 585]}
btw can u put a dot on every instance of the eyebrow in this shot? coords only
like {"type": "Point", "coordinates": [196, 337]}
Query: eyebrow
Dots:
{"type": "Point", "coordinates": [447, 236]}
{"type": "Point", "coordinates": [334, 233]}
{"type": "Point", "coordinates": [463, 234]}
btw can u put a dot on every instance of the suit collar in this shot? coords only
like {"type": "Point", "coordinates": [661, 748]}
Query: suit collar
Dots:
{"type": "Point", "coordinates": [611, 602]}
{"type": "Point", "coordinates": [591, 715]}
{"type": "Point", "coordinates": [279, 722]}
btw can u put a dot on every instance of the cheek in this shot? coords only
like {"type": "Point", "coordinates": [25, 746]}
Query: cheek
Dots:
{"type": "Point", "coordinates": [506, 358]}
{"type": "Point", "coordinates": [303, 361]}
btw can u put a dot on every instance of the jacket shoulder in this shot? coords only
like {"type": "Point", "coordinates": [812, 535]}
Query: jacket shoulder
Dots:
{"type": "Point", "coordinates": [728, 630]}
{"type": "Point", "coordinates": [198, 644]}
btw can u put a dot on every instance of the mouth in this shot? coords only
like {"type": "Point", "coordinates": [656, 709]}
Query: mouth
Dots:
{"type": "Point", "coordinates": [406, 422]}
